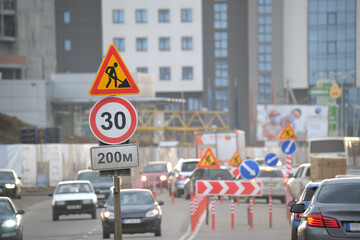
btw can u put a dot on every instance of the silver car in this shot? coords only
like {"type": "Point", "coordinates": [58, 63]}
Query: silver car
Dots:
{"type": "Point", "coordinates": [334, 211]}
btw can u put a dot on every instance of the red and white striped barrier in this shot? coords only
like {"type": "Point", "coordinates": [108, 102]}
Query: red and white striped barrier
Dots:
{"type": "Point", "coordinates": [270, 205]}
{"type": "Point", "coordinates": [191, 188]}
{"type": "Point", "coordinates": [288, 165]}
{"type": "Point", "coordinates": [232, 214]}
{"type": "Point", "coordinates": [172, 191]}
{"type": "Point", "coordinates": [235, 171]}
{"type": "Point", "coordinates": [154, 189]}
{"type": "Point", "coordinates": [198, 205]}
{"type": "Point", "coordinates": [232, 188]}
{"type": "Point", "coordinates": [212, 214]}
{"type": "Point", "coordinates": [251, 212]}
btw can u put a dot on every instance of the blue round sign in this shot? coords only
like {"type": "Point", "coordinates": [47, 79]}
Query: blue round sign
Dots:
{"type": "Point", "coordinates": [249, 169]}
{"type": "Point", "coordinates": [288, 147]}
{"type": "Point", "coordinates": [271, 159]}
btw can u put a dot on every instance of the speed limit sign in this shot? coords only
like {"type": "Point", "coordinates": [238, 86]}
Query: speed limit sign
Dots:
{"type": "Point", "coordinates": [113, 120]}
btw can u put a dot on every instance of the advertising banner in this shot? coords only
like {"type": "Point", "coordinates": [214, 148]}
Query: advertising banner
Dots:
{"type": "Point", "coordinates": [307, 121]}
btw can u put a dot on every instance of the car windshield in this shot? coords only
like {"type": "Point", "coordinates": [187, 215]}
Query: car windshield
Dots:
{"type": "Point", "coordinates": [270, 174]}
{"type": "Point", "coordinates": [222, 174]}
{"type": "Point", "coordinates": [340, 193]}
{"type": "Point", "coordinates": [133, 198]}
{"type": "Point", "coordinates": [188, 166]}
{"type": "Point", "coordinates": [308, 194]}
{"type": "Point", "coordinates": [94, 177]}
{"type": "Point", "coordinates": [73, 188]}
{"type": "Point", "coordinates": [6, 176]}
{"type": "Point", "coordinates": [6, 209]}
{"type": "Point", "coordinates": [151, 168]}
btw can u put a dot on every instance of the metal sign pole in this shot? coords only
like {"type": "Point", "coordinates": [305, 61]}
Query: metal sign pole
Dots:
{"type": "Point", "coordinates": [117, 210]}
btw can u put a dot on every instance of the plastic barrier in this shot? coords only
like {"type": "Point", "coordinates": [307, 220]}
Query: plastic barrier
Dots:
{"type": "Point", "coordinates": [270, 205]}
{"type": "Point", "coordinates": [198, 205]}
{"type": "Point", "coordinates": [212, 214]}
{"type": "Point", "coordinates": [232, 214]}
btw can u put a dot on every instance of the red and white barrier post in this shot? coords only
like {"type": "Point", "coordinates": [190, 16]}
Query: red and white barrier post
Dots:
{"type": "Point", "coordinates": [212, 214]}
{"type": "Point", "coordinates": [237, 200]}
{"type": "Point", "coordinates": [270, 205]}
{"type": "Point", "coordinates": [288, 195]}
{"type": "Point", "coordinates": [232, 214]}
{"type": "Point", "coordinates": [154, 189]}
{"type": "Point", "coordinates": [251, 207]}
{"type": "Point", "coordinates": [221, 199]}
{"type": "Point", "coordinates": [191, 188]}
{"type": "Point", "coordinates": [172, 191]}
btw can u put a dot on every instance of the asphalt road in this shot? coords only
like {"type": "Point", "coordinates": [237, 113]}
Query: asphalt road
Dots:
{"type": "Point", "coordinates": [176, 222]}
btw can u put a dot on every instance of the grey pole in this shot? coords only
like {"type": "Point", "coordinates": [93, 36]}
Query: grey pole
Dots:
{"type": "Point", "coordinates": [117, 210]}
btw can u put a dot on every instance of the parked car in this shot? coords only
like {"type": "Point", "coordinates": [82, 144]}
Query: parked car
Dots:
{"type": "Point", "coordinates": [157, 172]}
{"type": "Point", "coordinates": [73, 197]}
{"type": "Point", "coordinates": [305, 198]}
{"type": "Point", "coordinates": [11, 220]}
{"type": "Point", "coordinates": [10, 183]}
{"type": "Point", "coordinates": [333, 212]}
{"type": "Point", "coordinates": [101, 185]}
{"type": "Point", "coordinates": [140, 213]}
{"type": "Point", "coordinates": [181, 171]}
{"type": "Point", "coordinates": [298, 182]}
{"type": "Point", "coordinates": [275, 177]}
{"type": "Point", "coordinates": [205, 174]}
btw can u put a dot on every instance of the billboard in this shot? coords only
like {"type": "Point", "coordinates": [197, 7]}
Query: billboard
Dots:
{"type": "Point", "coordinates": [307, 121]}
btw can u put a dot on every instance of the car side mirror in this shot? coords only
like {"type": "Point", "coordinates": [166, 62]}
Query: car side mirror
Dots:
{"type": "Point", "coordinates": [20, 212]}
{"type": "Point", "coordinates": [292, 203]}
{"type": "Point", "coordinates": [161, 203]}
{"type": "Point", "coordinates": [50, 194]}
{"type": "Point", "coordinates": [291, 175]}
{"type": "Point", "coordinates": [298, 208]}
{"type": "Point", "coordinates": [101, 205]}
{"type": "Point", "coordinates": [19, 178]}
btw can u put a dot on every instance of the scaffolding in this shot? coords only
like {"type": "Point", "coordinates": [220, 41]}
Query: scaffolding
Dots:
{"type": "Point", "coordinates": [155, 126]}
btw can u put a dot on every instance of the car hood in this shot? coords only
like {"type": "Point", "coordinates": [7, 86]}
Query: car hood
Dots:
{"type": "Point", "coordinates": [155, 174]}
{"type": "Point", "coordinates": [3, 182]}
{"type": "Point", "coordinates": [133, 211]}
{"type": "Point", "coordinates": [73, 196]}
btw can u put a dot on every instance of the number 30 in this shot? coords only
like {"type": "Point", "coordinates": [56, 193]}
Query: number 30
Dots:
{"type": "Point", "coordinates": [110, 124]}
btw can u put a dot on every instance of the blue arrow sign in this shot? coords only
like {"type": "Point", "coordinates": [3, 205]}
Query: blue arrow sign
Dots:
{"type": "Point", "coordinates": [271, 159]}
{"type": "Point", "coordinates": [249, 169]}
{"type": "Point", "coordinates": [288, 147]}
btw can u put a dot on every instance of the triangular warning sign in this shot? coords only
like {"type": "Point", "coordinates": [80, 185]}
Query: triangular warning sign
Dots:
{"type": "Point", "coordinates": [235, 160]}
{"type": "Point", "coordinates": [288, 133]}
{"type": "Point", "coordinates": [208, 160]}
{"type": "Point", "coordinates": [113, 77]}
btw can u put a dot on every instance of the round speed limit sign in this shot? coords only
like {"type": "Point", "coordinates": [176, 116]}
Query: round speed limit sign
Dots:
{"type": "Point", "coordinates": [113, 120]}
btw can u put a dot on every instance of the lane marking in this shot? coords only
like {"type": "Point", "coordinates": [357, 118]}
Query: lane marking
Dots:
{"type": "Point", "coordinates": [192, 235]}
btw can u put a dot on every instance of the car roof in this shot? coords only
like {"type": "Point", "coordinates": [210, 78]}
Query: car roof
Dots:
{"type": "Point", "coordinates": [341, 180]}
{"type": "Point", "coordinates": [73, 181]}
{"type": "Point", "coordinates": [6, 170]}
{"type": "Point", "coordinates": [305, 164]}
{"type": "Point", "coordinates": [5, 198]}
{"type": "Point", "coordinates": [153, 162]}
{"type": "Point", "coordinates": [189, 159]}
{"type": "Point", "coordinates": [87, 170]}
{"type": "Point", "coordinates": [135, 190]}
{"type": "Point", "coordinates": [312, 184]}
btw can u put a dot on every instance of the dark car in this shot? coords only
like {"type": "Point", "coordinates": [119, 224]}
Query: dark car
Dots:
{"type": "Point", "coordinates": [10, 183]}
{"type": "Point", "coordinates": [11, 220]}
{"type": "Point", "coordinates": [334, 211]}
{"type": "Point", "coordinates": [305, 198]}
{"type": "Point", "coordinates": [101, 185]}
{"type": "Point", "coordinates": [156, 172]}
{"type": "Point", "coordinates": [206, 174]}
{"type": "Point", "coordinates": [140, 213]}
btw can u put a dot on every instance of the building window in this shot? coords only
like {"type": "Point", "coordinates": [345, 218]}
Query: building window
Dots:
{"type": "Point", "coordinates": [119, 44]}
{"type": "Point", "coordinates": [264, 85]}
{"type": "Point", "coordinates": [141, 16]}
{"type": "Point", "coordinates": [164, 44]}
{"type": "Point", "coordinates": [194, 104]}
{"type": "Point", "coordinates": [164, 15]}
{"type": "Point", "coordinates": [165, 73]}
{"type": "Point", "coordinates": [221, 100]}
{"type": "Point", "coordinates": [331, 47]}
{"type": "Point", "coordinates": [187, 73]}
{"type": "Point", "coordinates": [67, 17]}
{"type": "Point", "coordinates": [186, 43]}
{"type": "Point", "coordinates": [264, 6]}
{"type": "Point", "coordinates": [186, 15]}
{"type": "Point", "coordinates": [264, 28]}
{"type": "Point", "coordinates": [67, 45]}
{"type": "Point", "coordinates": [331, 18]}
{"type": "Point", "coordinates": [220, 15]}
{"type": "Point", "coordinates": [221, 44]}
{"type": "Point", "coordinates": [118, 16]}
{"type": "Point", "coordinates": [142, 70]}
{"type": "Point", "coordinates": [141, 44]}
{"type": "Point", "coordinates": [221, 73]}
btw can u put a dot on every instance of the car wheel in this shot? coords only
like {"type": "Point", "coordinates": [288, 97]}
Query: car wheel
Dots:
{"type": "Point", "coordinates": [158, 232]}
{"type": "Point", "coordinates": [93, 214]}
{"type": "Point", "coordinates": [293, 235]}
{"type": "Point", "coordinates": [106, 235]}
{"type": "Point", "coordinates": [282, 200]}
{"type": "Point", "coordinates": [186, 194]}
{"type": "Point", "coordinates": [55, 217]}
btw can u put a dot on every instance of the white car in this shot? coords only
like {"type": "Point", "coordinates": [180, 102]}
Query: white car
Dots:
{"type": "Point", "coordinates": [73, 197]}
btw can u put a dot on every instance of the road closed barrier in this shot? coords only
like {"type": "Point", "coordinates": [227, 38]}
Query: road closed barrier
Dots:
{"type": "Point", "coordinates": [198, 205]}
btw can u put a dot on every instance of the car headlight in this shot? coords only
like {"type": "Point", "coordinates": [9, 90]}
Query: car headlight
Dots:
{"type": "Point", "coordinates": [143, 178]}
{"type": "Point", "coordinates": [10, 185]}
{"type": "Point", "coordinates": [59, 203]}
{"type": "Point", "coordinates": [152, 213]}
{"type": "Point", "coordinates": [87, 201]}
{"type": "Point", "coordinates": [109, 215]}
{"type": "Point", "coordinates": [163, 178]}
{"type": "Point", "coordinates": [9, 223]}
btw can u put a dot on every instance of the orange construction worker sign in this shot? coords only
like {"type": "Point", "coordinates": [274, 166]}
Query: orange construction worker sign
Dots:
{"type": "Point", "coordinates": [288, 133]}
{"type": "Point", "coordinates": [235, 160]}
{"type": "Point", "coordinates": [208, 160]}
{"type": "Point", "coordinates": [113, 77]}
